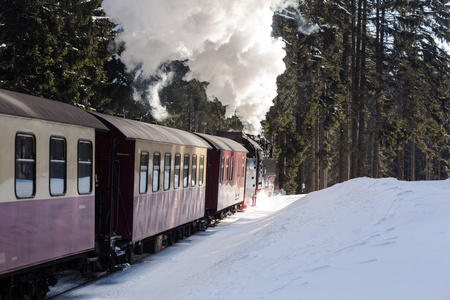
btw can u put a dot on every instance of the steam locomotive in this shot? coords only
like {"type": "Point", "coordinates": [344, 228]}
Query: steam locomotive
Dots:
{"type": "Point", "coordinates": [84, 190]}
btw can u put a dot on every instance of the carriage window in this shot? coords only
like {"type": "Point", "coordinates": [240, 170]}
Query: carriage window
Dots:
{"type": "Point", "coordinates": [185, 170]}
{"type": "Point", "coordinates": [176, 174]}
{"type": "Point", "coordinates": [227, 166]}
{"type": "Point", "coordinates": [202, 170]}
{"type": "Point", "coordinates": [84, 167]}
{"type": "Point", "coordinates": [143, 173]}
{"type": "Point", "coordinates": [25, 165]}
{"type": "Point", "coordinates": [222, 162]}
{"type": "Point", "coordinates": [194, 170]}
{"type": "Point", "coordinates": [167, 162]}
{"type": "Point", "coordinates": [239, 169]}
{"type": "Point", "coordinates": [57, 166]}
{"type": "Point", "coordinates": [231, 168]}
{"type": "Point", "coordinates": [156, 170]}
{"type": "Point", "coordinates": [243, 167]}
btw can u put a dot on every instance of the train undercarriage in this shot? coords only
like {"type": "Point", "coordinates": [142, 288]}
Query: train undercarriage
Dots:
{"type": "Point", "coordinates": [35, 283]}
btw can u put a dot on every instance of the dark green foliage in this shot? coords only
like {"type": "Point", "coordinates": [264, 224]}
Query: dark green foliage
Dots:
{"type": "Point", "coordinates": [55, 49]}
{"type": "Point", "coordinates": [64, 50]}
{"type": "Point", "coordinates": [367, 93]}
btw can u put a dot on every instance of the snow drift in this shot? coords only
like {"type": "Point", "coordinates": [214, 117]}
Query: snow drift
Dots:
{"type": "Point", "coordinates": [362, 239]}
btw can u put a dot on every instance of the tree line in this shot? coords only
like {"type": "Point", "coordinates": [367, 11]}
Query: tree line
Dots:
{"type": "Point", "coordinates": [65, 50]}
{"type": "Point", "coordinates": [365, 93]}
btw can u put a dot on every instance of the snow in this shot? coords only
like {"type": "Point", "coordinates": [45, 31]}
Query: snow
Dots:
{"type": "Point", "coordinates": [84, 185]}
{"type": "Point", "coordinates": [362, 239]}
{"type": "Point", "coordinates": [24, 188]}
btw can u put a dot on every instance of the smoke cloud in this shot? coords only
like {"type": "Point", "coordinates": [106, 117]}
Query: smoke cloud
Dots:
{"type": "Point", "coordinates": [227, 43]}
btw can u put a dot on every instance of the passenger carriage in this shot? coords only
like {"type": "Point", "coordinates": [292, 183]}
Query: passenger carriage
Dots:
{"type": "Point", "coordinates": [47, 202]}
{"type": "Point", "coordinates": [226, 175]}
{"type": "Point", "coordinates": [150, 179]}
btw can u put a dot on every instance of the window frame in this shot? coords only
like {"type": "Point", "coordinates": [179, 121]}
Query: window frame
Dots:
{"type": "Point", "coordinates": [177, 171]}
{"type": "Point", "coordinates": [55, 137]}
{"type": "Point", "coordinates": [201, 175]}
{"type": "Point", "coordinates": [239, 167]}
{"type": "Point", "coordinates": [156, 167]}
{"type": "Point", "coordinates": [222, 169]}
{"type": "Point", "coordinates": [25, 160]}
{"type": "Point", "coordinates": [194, 170]}
{"type": "Point", "coordinates": [143, 153]}
{"type": "Point", "coordinates": [231, 168]}
{"type": "Point", "coordinates": [186, 170]}
{"type": "Point", "coordinates": [88, 162]}
{"type": "Point", "coordinates": [167, 170]}
{"type": "Point", "coordinates": [227, 168]}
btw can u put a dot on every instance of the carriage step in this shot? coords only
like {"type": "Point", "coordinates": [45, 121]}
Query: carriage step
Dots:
{"type": "Point", "coordinates": [92, 259]}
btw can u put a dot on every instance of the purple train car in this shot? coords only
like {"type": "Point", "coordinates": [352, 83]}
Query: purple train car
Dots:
{"type": "Point", "coordinates": [150, 179]}
{"type": "Point", "coordinates": [47, 200]}
{"type": "Point", "coordinates": [226, 175]}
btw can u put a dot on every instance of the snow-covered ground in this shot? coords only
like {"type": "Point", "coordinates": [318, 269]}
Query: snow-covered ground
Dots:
{"type": "Point", "coordinates": [362, 239]}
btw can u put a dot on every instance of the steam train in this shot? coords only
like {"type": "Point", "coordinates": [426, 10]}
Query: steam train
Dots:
{"type": "Point", "coordinates": [84, 190]}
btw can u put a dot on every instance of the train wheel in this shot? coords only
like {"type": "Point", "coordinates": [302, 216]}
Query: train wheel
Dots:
{"type": "Point", "coordinates": [187, 231]}
{"type": "Point", "coordinates": [40, 288]}
{"type": "Point", "coordinates": [5, 292]}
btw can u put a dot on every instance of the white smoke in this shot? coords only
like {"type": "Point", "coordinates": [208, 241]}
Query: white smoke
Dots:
{"type": "Point", "coordinates": [159, 112]}
{"type": "Point", "coordinates": [227, 43]}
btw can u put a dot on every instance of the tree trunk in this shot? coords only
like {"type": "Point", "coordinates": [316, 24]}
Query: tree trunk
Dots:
{"type": "Point", "coordinates": [413, 161]}
{"type": "Point", "coordinates": [312, 178]}
{"type": "Point", "coordinates": [401, 162]}
{"type": "Point", "coordinates": [362, 86]}
{"type": "Point", "coordinates": [354, 93]}
{"type": "Point", "coordinates": [322, 170]}
{"type": "Point", "coordinates": [344, 159]}
{"type": "Point", "coordinates": [378, 90]}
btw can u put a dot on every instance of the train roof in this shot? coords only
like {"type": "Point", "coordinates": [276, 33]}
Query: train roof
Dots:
{"type": "Point", "coordinates": [240, 137]}
{"type": "Point", "coordinates": [222, 143]}
{"type": "Point", "coordinates": [131, 129]}
{"type": "Point", "coordinates": [22, 105]}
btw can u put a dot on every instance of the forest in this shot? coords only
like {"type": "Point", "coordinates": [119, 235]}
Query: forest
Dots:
{"type": "Point", "coordinates": [365, 92]}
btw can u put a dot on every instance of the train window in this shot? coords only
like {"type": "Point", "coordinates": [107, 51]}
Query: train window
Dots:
{"type": "Point", "coordinates": [231, 168]}
{"type": "Point", "coordinates": [84, 167]}
{"type": "Point", "coordinates": [239, 169]}
{"type": "Point", "coordinates": [186, 170]}
{"type": "Point", "coordinates": [167, 162]}
{"type": "Point", "coordinates": [194, 170]}
{"type": "Point", "coordinates": [227, 166]}
{"type": "Point", "coordinates": [25, 165]}
{"type": "Point", "coordinates": [202, 170]}
{"type": "Point", "coordinates": [143, 173]}
{"type": "Point", "coordinates": [156, 170]}
{"type": "Point", "coordinates": [58, 166]}
{"type": "Point", "coordinates": [243, 167]}
{"type": "Point", "coordinates": [222, 163]}
{"type": "Point", "coordinates": [176, 173]}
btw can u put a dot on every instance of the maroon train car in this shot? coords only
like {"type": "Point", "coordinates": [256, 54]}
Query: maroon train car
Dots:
{"type": "Point", "coordinates": [226, 175]}
{"type": "Point", "coordinates": [150, 179]}
{"type": "Point", "coordinates": [47, 200]}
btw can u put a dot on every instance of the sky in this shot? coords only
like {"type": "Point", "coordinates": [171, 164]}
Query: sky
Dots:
{"type": "Point", "coordinates": [361, 239]}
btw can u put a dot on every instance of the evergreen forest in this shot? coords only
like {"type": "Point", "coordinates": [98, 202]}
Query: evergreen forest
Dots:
{"type": "Point", "coordinates": [366, 91]}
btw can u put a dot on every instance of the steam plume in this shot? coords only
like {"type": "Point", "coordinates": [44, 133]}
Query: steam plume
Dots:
{"type": "Point", "coordinates": [227, 43]}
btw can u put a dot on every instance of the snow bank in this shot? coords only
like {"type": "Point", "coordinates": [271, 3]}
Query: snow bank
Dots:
{"type": "Point", "coordinates": [362, 239]}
